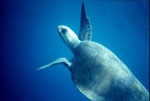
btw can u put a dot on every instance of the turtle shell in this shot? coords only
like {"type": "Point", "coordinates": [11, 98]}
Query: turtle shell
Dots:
{"type": "Point", "coordinates": [101, 76]}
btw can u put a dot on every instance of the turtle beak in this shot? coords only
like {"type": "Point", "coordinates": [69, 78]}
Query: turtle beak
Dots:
{"type": "Point", "coordinates": [59, 28]}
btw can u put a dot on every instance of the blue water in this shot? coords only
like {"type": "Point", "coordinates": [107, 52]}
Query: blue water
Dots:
{"type": "Point", "coordinates": [29, 39]}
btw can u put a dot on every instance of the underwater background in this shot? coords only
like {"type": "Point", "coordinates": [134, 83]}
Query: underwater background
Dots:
{"type": "Point", "coordinates": [29, 39]}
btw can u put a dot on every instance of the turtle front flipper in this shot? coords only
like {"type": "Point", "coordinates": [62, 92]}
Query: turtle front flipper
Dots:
{"type": "Point", "coordinates": [61, 60]}
{"type": "Point", "coordinates": [85, 32]}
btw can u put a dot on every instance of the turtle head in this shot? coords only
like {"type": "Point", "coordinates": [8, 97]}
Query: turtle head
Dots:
{"type": "Point", "coordinates": [68, 36]}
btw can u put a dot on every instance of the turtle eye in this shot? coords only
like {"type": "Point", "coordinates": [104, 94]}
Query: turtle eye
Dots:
{"type": "Point", "coordinates": [63, 30]}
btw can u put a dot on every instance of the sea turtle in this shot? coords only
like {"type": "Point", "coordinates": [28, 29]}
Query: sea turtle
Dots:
{"type": "Point", "coordinates": [96, 71]}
